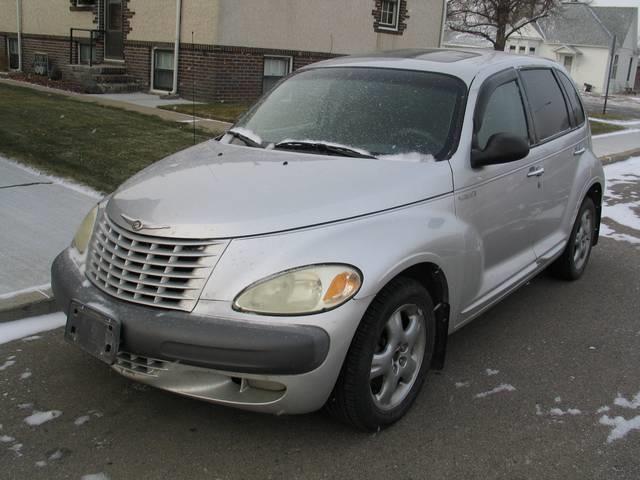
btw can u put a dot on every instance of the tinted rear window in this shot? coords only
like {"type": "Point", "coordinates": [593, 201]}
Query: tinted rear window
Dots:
{"type": "Point", "coordinates": [547, 103]}
{"type": "Point", "coordinates": [574, 98]}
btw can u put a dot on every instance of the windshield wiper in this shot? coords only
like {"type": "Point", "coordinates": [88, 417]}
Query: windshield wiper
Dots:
{"type": "Point", "coordinates": [246, 139]}
{"type": "Point", "coordinates": [322, 147]}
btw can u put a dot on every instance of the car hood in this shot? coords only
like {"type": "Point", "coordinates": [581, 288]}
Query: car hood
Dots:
{"type": "Point", "coordinates": [215, 190]}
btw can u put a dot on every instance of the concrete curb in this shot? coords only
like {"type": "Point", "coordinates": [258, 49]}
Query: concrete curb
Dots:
{"type": "Point", "coordinates": [27, 304]}
{"type": "Point", "coordinates": [619, 157]}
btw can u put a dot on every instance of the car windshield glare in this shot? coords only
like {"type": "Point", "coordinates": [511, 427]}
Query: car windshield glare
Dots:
{"type": "Point", "coordinates": [381, 112]}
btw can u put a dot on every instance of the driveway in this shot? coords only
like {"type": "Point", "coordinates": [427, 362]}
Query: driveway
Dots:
{"type": "Point", "coordinates": [543, 386]}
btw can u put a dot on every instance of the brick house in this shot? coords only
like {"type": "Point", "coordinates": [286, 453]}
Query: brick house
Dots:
{"type": "Point", "coordinates": [240, 47]}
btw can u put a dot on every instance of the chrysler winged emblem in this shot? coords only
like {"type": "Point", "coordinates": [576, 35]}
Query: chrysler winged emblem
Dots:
{"type": "Point", "coordinates": [138, 225]}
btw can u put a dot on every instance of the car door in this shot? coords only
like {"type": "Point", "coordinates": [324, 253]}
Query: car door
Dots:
{"type": "Point", "coordinates": [560, 142]}
{"type": "Point", "coordinates": [497, 202]}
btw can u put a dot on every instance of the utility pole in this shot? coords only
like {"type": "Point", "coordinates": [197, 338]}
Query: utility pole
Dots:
{"type": "Point", "coordinates": [612, 54]}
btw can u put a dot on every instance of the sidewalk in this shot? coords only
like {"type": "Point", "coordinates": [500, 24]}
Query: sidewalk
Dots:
{"type": "Point", "coordinates": [616, 143]}
{"type": "Point", "coordinates": [39, 215]}
{"type": "Point", "coordinates": [139, 102]}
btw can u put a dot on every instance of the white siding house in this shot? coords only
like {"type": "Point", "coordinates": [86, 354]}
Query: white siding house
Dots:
{"type": "Point", "coordinates": [580, 37]}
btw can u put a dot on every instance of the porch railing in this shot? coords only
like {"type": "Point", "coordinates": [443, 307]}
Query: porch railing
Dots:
{"type": "Point", "coordinates": [93, 37]}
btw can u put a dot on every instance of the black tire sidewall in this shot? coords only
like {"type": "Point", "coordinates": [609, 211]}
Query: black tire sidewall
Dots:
{"type": "Point", "coordinates": [410, 292]}
{"type": "Point", "coordinates": [587, 204]}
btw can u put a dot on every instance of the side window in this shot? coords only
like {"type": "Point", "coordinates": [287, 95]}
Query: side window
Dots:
{"type": "Point", "coordinates": [548, 107]}
{"type": "Point", "coordinates": [574, 98]}
{"type": "Point", "coordinates": [504, 114]}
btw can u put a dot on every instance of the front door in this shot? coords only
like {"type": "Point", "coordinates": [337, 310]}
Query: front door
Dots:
{"type": "Point", "coordinates": [497, 202]}
{"type": "Point", "coordinates": [114, 36]}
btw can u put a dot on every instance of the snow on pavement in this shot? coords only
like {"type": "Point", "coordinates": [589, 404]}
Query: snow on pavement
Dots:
{"type": "Point", "coordinates": [38, 418]}
{"type": "Point", "coordinates": [622, 200]}
{"type": "Point", "coordinates": [10, 331]}
{"type": "Point", "coordinates": [621, 425]}
{"type": "Point", "coordinates": [503, 387]}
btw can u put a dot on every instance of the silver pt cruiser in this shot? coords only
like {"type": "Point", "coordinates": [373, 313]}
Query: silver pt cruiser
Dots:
{"type": "Point", "coordinates": [321, 251]}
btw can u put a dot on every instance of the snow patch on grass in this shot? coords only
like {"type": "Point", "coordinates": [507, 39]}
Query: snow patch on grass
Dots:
{"type": "Point", "coordinates": [24, 375]}
{"type": "Point", "coordinates": [6, 439]}
{"type": "Point", "coordinates": [38, 418]}
{"type": "Point", "coordinates": [491, 372]}
{"type": "Point", "coordinates": [462, 384]}
{"type": "Point", "coordinates": [503, 387]}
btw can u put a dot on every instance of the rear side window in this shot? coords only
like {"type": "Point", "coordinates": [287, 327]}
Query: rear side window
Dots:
{"type": "Point", "coordinates": [574, 98]}
{"type": "Point", "coordinates": [504, 114]}
{"type": "Point", "coordinates": [547, 103]}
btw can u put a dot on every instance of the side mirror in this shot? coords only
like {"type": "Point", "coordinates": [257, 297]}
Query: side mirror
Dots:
{"type": "Point", "coordinates": [501, 148]}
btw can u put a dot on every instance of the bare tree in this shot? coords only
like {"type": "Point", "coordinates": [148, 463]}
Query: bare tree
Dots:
{"type": "Point", "coordinates": [496, 20]}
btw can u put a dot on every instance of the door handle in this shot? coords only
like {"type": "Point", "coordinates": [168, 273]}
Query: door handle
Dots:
{"type": "Point", "coordinates": [535, 172]}
{"type": "Point", "coordinates": [579, 151]}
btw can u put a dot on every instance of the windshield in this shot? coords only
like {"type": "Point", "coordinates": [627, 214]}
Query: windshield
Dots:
{"type": "Point", "coordinates": [372, 110]}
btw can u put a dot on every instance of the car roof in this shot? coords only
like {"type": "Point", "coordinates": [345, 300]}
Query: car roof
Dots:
{"type": "Point", "coordinates": [465, 64]}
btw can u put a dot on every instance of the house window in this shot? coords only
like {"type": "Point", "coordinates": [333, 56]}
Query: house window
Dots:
{"type": "Point", "coordinates": [522, 50]}
{"type": "Point", "coordinates": [532, 50]}
{"type": "Point", "coordinates": [14, 57]}
{"type": "Point", "coordinates": [390, 13]}
{"type": "Point", "coordinates": [274, 69]}
{"type": "Point", "coordinates": [163, 70]}
{"type": "Point", "coordinates": [567, 61]}
{"type": "Point", "coordinates": [84, 3]}
{"type": "Point", "coordinates": [629, 71]}
{"type": "Point", "coordinates": [512, 49]}
{"type": "Point", "coordinates": [614, 67]}
{"type": "Point", "coordinates": [84, 50]}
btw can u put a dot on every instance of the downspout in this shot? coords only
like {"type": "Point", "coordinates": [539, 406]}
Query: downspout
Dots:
{"type": "Point", "coordinates": [19, 20]}
{"type": "Point", "coordinates": [176, 48]}
{"type": "Point", "coordinates": [442, 25]}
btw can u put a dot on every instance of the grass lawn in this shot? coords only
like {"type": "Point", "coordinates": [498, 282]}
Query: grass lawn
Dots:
{"type": "Point", "coordinates": [598, 128]}
{"type": "Point", "coordinates": [610, 116]}
{"type": "Point", "coordinates": [227, 112]}
{"type": "Point", "coordinates": [92, 144]}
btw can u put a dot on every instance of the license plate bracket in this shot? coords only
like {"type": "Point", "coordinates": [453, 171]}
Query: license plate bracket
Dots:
{"type": "Point", "coordinates": [94, 332]}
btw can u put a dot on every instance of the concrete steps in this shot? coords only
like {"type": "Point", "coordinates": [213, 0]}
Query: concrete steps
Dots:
{"type": "Point", "coordinates": [105, 78]}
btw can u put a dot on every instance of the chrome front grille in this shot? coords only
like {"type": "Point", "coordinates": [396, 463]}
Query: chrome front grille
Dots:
{"type": "Point", "coordinates": [158, 271]}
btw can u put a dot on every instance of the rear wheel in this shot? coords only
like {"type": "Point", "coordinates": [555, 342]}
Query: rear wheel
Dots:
{"type": "Point", "coordinates": [573, 261]}
{"type": "Point", "coordinates": [388, 358]}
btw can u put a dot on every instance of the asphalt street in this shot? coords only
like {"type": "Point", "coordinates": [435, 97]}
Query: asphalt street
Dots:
{"type": "Point", "coordinates": [565, 346]}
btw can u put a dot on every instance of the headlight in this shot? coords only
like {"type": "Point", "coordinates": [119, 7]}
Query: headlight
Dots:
{"type": "Point", "coordinates": [304, 290]}
{"type": "Point", "coordinates": [83, 235]}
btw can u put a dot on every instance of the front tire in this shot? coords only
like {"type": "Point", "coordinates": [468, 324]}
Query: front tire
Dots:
{"type": "Point", "coordinates": [573, 261]}
{"type": "Point", "coordinates": [388, 359]}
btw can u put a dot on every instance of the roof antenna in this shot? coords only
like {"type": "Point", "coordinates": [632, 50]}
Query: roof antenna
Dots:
{"type": "Point", "coordinates": [193, 87]}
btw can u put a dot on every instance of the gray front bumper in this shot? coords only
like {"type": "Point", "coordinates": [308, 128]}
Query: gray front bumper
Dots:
{"type": "Point", "coordinates": [203, 341]}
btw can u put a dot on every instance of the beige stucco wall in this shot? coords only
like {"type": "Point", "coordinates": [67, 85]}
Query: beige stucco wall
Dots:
{"type": "Point", "coordinates": [44, 17]}
{"type": "Point", "coordinates": [8, 16]}
{"type": "Point", "coordinates": [155, 20]}
{"type": "Point", "coordinates": [336, 26]}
